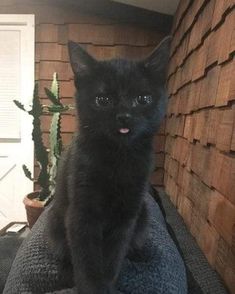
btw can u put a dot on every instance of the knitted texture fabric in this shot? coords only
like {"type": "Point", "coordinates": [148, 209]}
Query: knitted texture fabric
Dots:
{"type": "Point", "coordinates": [161, 269]}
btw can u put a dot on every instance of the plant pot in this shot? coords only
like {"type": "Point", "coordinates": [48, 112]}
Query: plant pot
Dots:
{"type": "Point", "coordinates": [33, 207]}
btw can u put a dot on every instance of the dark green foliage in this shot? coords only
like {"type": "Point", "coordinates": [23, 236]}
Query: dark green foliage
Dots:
{"type": "Point", "coordinates": [27, 172]}
{"type": "Point", "coordinates": [40, 150]}
{"type": "Point", "coordinates": [18, 104]}
{"type": "Point", "coordinates": [47, 159]}
{"type": "Point", "coordinates": [55, 134]}
{"type": "Point", "coordinates": [52, 97]}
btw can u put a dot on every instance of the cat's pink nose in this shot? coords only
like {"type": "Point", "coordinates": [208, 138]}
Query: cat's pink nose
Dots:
{"type": "Point", "coordinates": [123, 117]}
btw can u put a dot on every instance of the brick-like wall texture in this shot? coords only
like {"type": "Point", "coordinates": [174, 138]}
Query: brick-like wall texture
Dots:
{"type": "Point", "coordinates": [200, 128]}
{"type": "Point", "coordinates": [103, 37]}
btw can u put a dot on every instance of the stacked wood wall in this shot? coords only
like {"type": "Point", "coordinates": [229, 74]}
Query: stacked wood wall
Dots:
{"type": "Point", "coordinates": [103, 37]}
{"type": "Point", "coordinates": [200, 128]}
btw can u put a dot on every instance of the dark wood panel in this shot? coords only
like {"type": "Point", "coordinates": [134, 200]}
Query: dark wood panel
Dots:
{"type": "Point", "coordinates": [123, 13]}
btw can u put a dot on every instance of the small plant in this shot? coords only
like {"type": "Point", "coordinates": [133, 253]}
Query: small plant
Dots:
{"type": "Point", "coordinates": [47, 159]}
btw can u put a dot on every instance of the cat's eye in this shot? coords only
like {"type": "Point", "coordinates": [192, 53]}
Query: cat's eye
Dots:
{"type": "Point", "coordinates": [103, 101]}
{"type": "Point", "coordinates": [143, 99]}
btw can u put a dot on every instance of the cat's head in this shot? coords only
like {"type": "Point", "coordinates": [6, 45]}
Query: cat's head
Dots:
{"type": "Point", "coordinates": [120, 99]}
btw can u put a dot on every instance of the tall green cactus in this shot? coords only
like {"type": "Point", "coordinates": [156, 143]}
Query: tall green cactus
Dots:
{"type": "Point", "coordinates": [47, 160]}
{"type": "Point", "coordinates": [40, 150]}
{"type": "Point", "coordinates": [55, 134]}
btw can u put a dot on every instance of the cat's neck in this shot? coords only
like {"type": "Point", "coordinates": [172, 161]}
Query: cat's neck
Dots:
{"type": "Point", "coordinates": [103, 144]}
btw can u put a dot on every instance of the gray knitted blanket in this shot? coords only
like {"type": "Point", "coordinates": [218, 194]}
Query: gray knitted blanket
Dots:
{"type": "Point", "coordinates": [161, 269]}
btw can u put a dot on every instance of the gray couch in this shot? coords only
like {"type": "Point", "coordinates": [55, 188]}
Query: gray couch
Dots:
{"type": "Point", "coordinates": [161, 269]}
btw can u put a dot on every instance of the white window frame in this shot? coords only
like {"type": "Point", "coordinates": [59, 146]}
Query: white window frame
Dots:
{"type": "Point", "coordinates": [27, 21]}
{"type": "Point", "coordinates": [26, 24]}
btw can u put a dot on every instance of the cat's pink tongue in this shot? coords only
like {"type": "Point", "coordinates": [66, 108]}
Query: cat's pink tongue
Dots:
{"type": "Point", "coordinates": [124, 130]}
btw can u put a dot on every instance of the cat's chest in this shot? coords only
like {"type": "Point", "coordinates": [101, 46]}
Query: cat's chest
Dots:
{"type": "Point", "coordinates": [118, 171]}
{"type": "Point", "coordinates": [117, 183]}
{"type": "Point", "coordinates": [124, 169]}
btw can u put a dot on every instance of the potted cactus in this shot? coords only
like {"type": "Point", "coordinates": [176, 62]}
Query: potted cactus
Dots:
{"type": "Point", "coordinates": [46, 158]}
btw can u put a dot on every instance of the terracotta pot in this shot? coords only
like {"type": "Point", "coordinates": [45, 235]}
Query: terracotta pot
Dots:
{"type": "Point", "coordinates": [33, 207]}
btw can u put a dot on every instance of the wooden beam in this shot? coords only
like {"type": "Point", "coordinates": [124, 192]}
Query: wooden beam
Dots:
{"type": "Point", "coordinates": [122, 13]}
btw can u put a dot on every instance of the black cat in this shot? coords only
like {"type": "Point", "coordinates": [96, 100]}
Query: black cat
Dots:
{"type": "Point", "coordinates": [98, 214]}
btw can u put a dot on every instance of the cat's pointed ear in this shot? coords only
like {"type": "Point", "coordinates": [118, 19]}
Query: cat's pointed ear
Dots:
{"type": "Point", "coordinates": [81, 62]}
{"type": "Point", "coordinates": [157, 61]}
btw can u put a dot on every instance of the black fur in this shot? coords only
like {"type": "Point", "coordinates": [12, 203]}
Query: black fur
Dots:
{"type": "Point", "coordinates": [98, 215]}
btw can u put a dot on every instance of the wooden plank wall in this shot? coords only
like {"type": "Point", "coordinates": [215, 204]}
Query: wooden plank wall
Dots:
{"type": "Point", "coordinates": [200, 128]}
{"type": "Point", "coordinates": [103, 37]}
